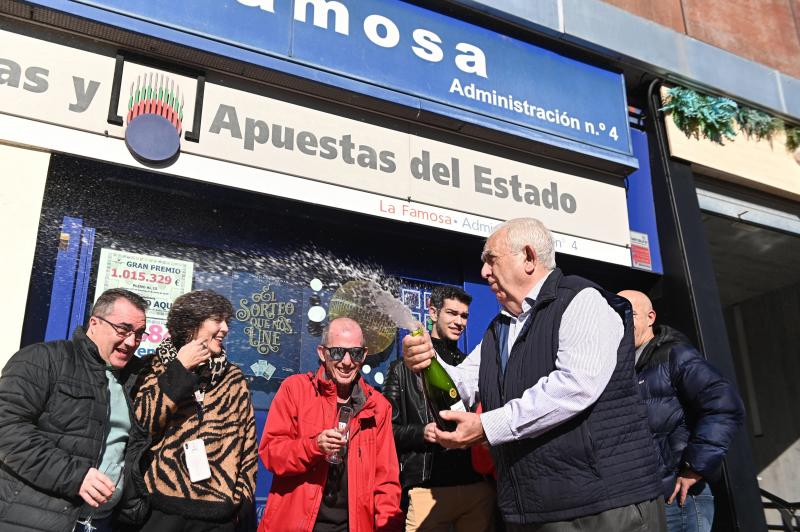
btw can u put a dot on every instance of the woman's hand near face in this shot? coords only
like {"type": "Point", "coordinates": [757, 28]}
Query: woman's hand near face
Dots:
{"type": "Point", "coordinates": [194, 353]}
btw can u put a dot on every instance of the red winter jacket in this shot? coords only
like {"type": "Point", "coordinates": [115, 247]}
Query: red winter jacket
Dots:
{"type": "Point", "coordinates": [304, 406]}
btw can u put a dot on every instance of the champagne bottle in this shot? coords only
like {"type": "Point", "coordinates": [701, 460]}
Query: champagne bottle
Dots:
{"type": "Point", "coordinates": [440, 392]}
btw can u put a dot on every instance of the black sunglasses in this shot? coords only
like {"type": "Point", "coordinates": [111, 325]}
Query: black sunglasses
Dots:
{"type": "Point", "coordinates": [337, 353]}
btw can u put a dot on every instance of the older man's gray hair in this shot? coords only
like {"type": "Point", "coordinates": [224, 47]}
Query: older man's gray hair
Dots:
{"type": "Point", "coordinates": [532, 232]}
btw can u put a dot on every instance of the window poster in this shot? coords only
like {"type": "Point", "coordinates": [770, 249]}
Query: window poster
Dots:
{"type": "Point", "coordinates": [157, 279]}
{"type": "Point", "coordinates": [264, 339]}
{"type": "Point", "coordinates": [266, 324]}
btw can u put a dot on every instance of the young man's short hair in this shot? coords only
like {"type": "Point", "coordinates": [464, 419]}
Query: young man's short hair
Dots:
{"type": "Point", "coordinates": [446, 291]}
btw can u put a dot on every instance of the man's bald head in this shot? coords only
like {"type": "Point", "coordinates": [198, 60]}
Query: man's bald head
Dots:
{"type": "Point", "coordinates": [342, 326]}
{"type": "Point", "coordinates": [643, 316]}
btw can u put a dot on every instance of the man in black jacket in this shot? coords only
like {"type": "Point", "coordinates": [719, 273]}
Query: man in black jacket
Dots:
{"type": "Point", "coordinates": [440, 488]}
{"type": "Point", "coordinates": [692, 410]}
{"type": "Point", "coordinates": [70, 446]}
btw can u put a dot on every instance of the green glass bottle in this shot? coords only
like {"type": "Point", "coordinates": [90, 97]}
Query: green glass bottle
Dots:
{"type": "Point", "coordinates": [440, 392]}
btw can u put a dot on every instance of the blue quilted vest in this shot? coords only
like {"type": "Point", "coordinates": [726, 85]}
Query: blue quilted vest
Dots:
{"type": "Point", "coordinates": [603, 458]}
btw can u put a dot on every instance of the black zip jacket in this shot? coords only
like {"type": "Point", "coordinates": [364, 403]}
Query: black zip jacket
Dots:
{"type": "Point", "coordinates": [54, 419]}
{"type": "Point", "coordinates": [423, 464]}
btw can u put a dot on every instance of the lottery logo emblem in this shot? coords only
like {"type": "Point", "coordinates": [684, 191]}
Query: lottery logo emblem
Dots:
{"type": "Point", "coordinates": [155, 120]}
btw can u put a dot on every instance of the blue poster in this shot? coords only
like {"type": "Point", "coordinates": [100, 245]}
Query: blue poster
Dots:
{"type": "Point", "coordinates": [265, 331]}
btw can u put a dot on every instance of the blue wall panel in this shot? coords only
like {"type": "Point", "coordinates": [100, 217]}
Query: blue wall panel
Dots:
{"type": "Point", "coordinates": [61, 295]}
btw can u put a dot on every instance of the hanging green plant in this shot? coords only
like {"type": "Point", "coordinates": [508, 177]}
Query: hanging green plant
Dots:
{"type": "Point", "coordinates": [792, 137]}
{"type": "Point", "coordinates": [757, 123]}
{"type": "Point", "coordinates": [698, 114]}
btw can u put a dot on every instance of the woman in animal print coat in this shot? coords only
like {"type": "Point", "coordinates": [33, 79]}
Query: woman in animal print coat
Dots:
{"type": "Point", "coordinates": [196, 405]}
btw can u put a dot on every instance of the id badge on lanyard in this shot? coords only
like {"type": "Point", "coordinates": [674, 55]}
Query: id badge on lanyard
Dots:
{"type": "Point", "coordinates": [194, 451]}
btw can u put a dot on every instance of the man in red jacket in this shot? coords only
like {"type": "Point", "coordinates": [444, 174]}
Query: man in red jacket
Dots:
{"type": "Point", "coordinates": [360, 494]}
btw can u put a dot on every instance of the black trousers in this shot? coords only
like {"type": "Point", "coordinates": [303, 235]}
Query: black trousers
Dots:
{"type": "Point", "coordinates": [645, 516]}
{"type": "Point", "coordinates": [161, 522]}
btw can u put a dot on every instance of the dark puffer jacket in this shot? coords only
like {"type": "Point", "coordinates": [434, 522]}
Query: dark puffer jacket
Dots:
{"type": "Point", "coordinates": [54, 417]}
{"type": "Point", "coordinates": [692, 410]}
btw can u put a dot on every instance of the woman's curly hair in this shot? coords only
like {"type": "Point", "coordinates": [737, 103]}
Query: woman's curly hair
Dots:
{"type": "Point", "coordinates": [191, 309]}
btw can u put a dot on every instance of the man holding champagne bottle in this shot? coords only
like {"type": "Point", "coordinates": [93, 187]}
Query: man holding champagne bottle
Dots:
{"type": "Point", "coordinates": [332, 473]}
{"type": "Point", "coordinates": [440, 488]}
{"type": "Point", "coordinates": [562, 414]}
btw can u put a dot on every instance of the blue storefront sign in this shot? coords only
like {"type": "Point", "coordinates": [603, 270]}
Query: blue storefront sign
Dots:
{"type": "Point", "coordinates": [442, 63]}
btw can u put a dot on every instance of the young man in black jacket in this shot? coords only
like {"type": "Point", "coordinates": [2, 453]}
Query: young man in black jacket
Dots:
{"type": "Point", "coordinates": [440, 488]}
{"type": "Point", "coordinates": [692, 410]}
{"type": "Point", "coordinates": [70, 446]}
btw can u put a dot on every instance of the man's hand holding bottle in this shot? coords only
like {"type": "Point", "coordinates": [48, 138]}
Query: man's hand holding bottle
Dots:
{"type": "Point", "coordinates": [418, 350]}
{"type": "Point", "coordinates": [455, 427]}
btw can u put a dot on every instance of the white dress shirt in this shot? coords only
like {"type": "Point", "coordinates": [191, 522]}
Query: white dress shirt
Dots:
{"type": "Point", "coordinates": [588, 339]}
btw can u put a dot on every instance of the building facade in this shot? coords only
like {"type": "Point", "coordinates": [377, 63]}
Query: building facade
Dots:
{"type": "Point", "coordinates": [273, 150]}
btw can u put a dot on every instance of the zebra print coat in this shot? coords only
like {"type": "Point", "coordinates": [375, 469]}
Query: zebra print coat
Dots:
{"type": "Point", "coordinates": [165, 404]}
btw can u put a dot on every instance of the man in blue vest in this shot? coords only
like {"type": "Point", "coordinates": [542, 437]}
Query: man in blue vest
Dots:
{"type": "Point", "coordinates": [562, 413]}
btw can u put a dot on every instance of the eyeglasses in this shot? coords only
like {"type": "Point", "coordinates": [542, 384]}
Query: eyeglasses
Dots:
{"type": "Point", "coordinates": [124, 330]}
{"type": "Point", "coordinates": [357, 354]}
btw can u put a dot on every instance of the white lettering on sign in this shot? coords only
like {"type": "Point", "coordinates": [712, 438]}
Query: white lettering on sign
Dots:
{"type": "Point", "coordinates": [322, 9]}
{"type": "Point", "coordinates": [428, 48]}
{"type": "Point", "coordinates": [381, 31]}
{"type": "Point", "coordinates": [266, 5]}
{"type": "Point", "coordinates": [513, 103]}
